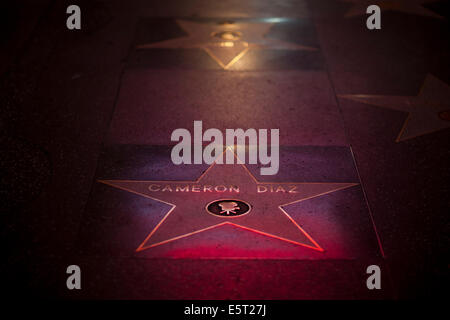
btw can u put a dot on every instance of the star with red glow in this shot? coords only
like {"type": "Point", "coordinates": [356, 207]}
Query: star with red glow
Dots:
{"type": "Point", "coordinates": [428, 112]}
{"type": "Point", "coordinates": [236, 191]}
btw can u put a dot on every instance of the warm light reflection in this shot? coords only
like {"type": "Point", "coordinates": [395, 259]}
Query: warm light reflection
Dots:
{"type": "Point", "coordinates": [227, 44]}
{"type": "Point", "coordinates": [228, 35]}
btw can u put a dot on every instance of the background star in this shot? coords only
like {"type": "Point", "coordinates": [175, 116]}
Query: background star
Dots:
{"type": "Point", "coordinates": [225, 42]}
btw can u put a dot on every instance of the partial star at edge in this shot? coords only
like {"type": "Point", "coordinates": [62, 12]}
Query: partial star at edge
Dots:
{"type": "Point", "coordinates": [428, 112]}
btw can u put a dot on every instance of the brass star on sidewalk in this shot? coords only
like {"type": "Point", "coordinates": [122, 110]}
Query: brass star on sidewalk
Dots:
{"type": "Point", "coordinates": [255, 206]}
{"type": "Point", "coordinates": [429, 111]}
{"type": "Point", "coordinates": [414, 7]}
{"type": "Point", "coordinates": [225, 42]}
